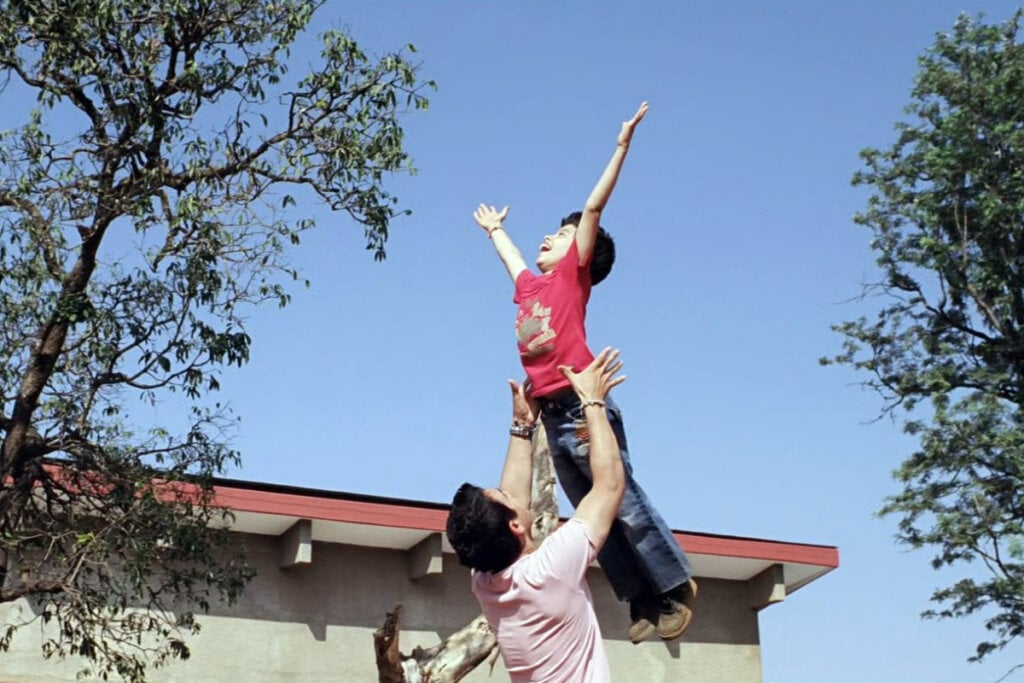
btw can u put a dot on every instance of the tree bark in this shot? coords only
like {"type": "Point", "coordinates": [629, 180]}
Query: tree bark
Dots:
{"type": "Point", "coordinates": [464, 650]}
{"type": "Point", "coordinates": [543, 495]}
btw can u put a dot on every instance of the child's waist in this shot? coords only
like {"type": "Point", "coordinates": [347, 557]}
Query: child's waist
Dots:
{"type": "Point", "coordinates": [544, 375]}
{"type": "Point", "coordinates": [561, 398]}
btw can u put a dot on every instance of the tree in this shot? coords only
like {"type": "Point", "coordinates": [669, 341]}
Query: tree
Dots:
{"type": "Point", "coordinates": [947, 346]}
{"type": "Point", "coordinates": [145, 202]}
{"type": "Point", "coordinates": [451, 660]}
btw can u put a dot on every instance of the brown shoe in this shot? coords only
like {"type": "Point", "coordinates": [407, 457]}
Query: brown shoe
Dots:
{"type": "Point", "coordinates": [644, 617]}
{"type": "Point", "coordinates": [676, 611]}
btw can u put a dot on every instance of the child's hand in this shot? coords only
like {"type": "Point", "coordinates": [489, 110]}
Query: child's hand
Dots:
{"type": "Point", "coordinates": [626, 134]}
{"type": "Point", "coordinates": [489, 218]}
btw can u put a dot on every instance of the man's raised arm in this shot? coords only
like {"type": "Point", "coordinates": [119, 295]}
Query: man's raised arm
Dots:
{"type": "Point", "coordinates": [586, 231]}
{"type": "Point", "coordinates": [517, 474]}
{"type": "Point", "coordinates": [600, 506]}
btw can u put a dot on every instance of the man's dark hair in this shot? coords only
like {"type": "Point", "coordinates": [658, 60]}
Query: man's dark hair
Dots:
{"type": "Point", "coordinates": [603, 256]}
{"type": "Point", "coordinates": [478, 530]}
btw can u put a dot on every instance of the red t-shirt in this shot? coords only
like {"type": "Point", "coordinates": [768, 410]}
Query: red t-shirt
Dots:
{"type": "Point", "coordinates": [550, 322]}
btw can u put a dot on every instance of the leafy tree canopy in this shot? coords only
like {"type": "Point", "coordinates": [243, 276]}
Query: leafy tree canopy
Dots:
{"type": "Point", "coordinates": [146, 199]}
{"type": "Point", "coordinates": [947, 221]}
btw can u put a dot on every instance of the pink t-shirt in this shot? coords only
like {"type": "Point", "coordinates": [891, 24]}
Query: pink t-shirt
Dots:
{"type": "Point", "coordinates": [542, 614]}
{"type": "Point", "coordinates": [550, 322]}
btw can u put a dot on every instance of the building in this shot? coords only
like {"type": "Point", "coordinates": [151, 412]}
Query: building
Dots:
{"type": "Point", "coordinates": [331, 565]}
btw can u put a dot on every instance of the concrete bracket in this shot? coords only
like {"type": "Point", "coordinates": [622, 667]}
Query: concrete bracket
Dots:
{"type": "Point", "coordinates": [425, 557]}
{"type": "Point", "coordinates": [296, 544]}
{"type": "Point", "coordinates": [767, 588]}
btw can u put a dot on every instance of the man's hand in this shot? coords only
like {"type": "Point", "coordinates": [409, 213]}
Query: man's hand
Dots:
{"type": "Point", "coordinates": [524, 408]}
{"type": "Point", "coordinates": [489, 218]}
{"type": "Point", "coordinates": [597, 379]}
{"type": "Point", "coordinates": [626, 134]}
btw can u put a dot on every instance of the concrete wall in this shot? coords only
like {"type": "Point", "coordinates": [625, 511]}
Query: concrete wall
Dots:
{"type": "Point", "coordinates": [315, 624]}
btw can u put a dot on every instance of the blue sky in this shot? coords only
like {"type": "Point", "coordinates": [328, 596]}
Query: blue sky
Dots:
{"type": "Point", "coordinates": [736, 251]}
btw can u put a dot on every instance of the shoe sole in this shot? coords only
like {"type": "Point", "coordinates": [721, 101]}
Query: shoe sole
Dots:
{"type": "Point", "coordinates": [691, 597]}
{"type": "Point", "coordinates": [638, 635]}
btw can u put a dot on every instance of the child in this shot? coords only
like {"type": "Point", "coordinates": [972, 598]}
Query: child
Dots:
{"type": "Point", "coordinates": [641, 558]}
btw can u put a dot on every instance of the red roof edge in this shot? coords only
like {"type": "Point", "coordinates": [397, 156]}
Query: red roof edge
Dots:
{"type": "Point", "coordinates": [336, 506]}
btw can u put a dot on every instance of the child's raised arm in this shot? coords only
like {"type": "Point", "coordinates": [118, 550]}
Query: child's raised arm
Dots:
{"type": "Point", "coordinates": [586, 231]}
{"type": "Point", "coordinates": [492, 222]}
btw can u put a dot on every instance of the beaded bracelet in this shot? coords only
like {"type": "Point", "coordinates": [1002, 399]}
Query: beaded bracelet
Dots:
{"type": "Point", "coordinates": [591, 402]}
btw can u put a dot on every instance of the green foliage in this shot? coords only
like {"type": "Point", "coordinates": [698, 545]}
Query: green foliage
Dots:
{"type": "Point", "coordinates": [947, 220]}
{"type": "Point", "coordinates": [146, 201]}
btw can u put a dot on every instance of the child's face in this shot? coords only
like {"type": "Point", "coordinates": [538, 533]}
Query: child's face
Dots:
{"type": "Point", "coordinates": [554, 248]}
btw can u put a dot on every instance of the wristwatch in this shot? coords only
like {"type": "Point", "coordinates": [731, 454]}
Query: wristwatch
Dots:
{"type": "Point", "coordinates": [524, 431]}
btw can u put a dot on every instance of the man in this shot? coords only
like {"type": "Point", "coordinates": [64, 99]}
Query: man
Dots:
{"type": "Point", "coordinates": [535, 596]}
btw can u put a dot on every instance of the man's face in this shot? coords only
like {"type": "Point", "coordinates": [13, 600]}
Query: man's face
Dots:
{"type": "Point", "coordinates": [554, 247]}
{"type": "Point", "coordinates": [523, 514]}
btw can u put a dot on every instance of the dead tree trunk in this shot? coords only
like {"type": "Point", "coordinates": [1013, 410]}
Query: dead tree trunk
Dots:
{"type": "Point", "coordinates": [464, 650]}
{"type": "Point", "coordinates": [543, 496]}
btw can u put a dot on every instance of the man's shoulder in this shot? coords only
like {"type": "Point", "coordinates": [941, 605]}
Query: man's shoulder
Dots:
{"type": "Point", "coordinates": [563, 556]}
{"type": "Point", "coordinates": [576, 527]}
{"type": "Point", "coordinates": [572, 536]}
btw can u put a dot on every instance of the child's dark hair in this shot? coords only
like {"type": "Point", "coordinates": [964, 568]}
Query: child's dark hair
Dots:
{"type": "Point", "coordinates": [603, 256]}
{"type": "Point", "coordinates": [478, 531]}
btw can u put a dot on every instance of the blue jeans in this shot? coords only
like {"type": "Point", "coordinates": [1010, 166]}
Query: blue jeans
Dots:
{"type": "Point", "coordinates": [641, 556]}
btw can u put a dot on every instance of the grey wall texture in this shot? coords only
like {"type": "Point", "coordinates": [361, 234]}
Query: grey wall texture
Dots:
{"type": "Point", "coordinates": [315, 624]}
